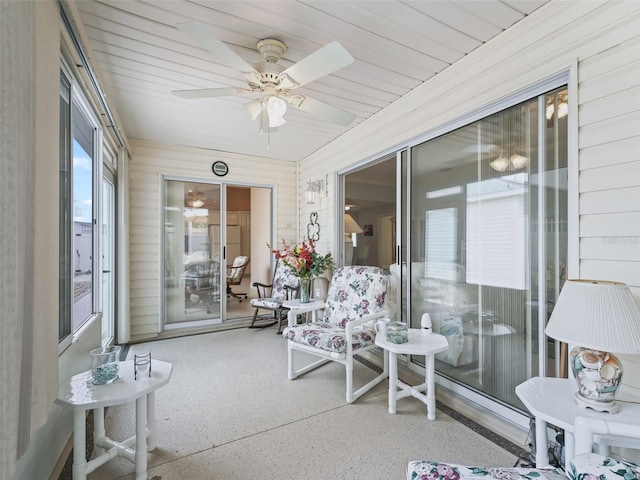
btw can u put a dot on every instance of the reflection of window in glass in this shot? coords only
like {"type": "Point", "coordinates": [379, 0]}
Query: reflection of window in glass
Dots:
{"type": "Point", "coordinates": [496, 232]}
{"type": "Point", "coordinates": [197, 233]}
{"type": "Point", "coordinates": [441, 241]}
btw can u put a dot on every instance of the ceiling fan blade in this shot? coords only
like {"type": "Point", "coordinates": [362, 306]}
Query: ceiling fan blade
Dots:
{"type": "Point", "coordinates": [202, 37]}
{"type": "Point", "coordinates": [321, 110]}
{"type": "Point", "coordinates": [322, 62]}
{"type": "Point", "coordinates": [210, 92]}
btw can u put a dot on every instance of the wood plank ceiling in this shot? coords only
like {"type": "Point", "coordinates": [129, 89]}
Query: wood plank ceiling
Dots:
{"type": "Point", "coordinates": [397, 45]}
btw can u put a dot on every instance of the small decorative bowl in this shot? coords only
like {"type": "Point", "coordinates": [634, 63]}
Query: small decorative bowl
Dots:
{"type": "Point", "coordinates": [397, 332]}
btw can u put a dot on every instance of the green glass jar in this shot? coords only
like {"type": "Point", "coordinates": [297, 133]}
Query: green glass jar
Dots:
{"type": "Point", "coordinates": [397, 332]}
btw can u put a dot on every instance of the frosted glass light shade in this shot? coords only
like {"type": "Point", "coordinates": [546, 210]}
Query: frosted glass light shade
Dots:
{"type": "Point", "coordinates": [596, 314]}
{"type": "Point", "coordinates": [500, 164]}
{"type": "Point", "coordinates": [253, 108]}
{"type": "Point", "coordinates": [276, 107]}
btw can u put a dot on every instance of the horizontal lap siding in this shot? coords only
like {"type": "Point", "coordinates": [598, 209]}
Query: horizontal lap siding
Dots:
{"type": "Point", "coordinates": [604, 40]}
{"type": "Point", "coordinates": [150, 162]}
{"type": "Point", "coordinates": [610, 173]}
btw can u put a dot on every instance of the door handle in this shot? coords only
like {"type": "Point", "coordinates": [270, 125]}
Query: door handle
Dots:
{"type": "Point", "coordinates": [106, 271]}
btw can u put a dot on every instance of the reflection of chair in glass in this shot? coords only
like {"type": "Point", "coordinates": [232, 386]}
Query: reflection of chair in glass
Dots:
{"type": "Point", "coordinates": [202, 278]}
{"type": "Point", "coordinates": [355, 301]}
{"type": "Point", "coordinates": [271, 297]}
{"type": "Point", "coordinates": [235, 272]}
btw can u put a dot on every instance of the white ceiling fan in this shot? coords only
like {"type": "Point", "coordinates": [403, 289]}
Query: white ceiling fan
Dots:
{"type": "Point", "coordinates": [270, 84]}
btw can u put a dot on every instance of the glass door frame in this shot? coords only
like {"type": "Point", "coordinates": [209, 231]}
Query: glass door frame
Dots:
{"type": "Point", "coordinates": [223, 252]}
{"type": "Point", "coordinates": [109, 252]}
{"type": "Point", "coordinates": [562, 78]}
{"type": "Point", "coordinates": [216, 320]}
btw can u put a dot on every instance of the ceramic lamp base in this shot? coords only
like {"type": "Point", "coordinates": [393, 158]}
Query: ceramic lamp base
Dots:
{"type": "Point", "coordinates": [598, 375]}
{"type": "Point", "coordinates": [605, 407]}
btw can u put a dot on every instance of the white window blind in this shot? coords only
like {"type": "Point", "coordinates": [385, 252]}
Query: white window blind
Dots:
{"type": "Point", "coordinates": [496, 233]}
{"type": "Point", "coordinates": [441, 239]}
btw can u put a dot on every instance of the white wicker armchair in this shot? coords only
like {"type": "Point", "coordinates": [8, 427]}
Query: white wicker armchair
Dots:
{"type": "Point", "coordinates": [356, 300]}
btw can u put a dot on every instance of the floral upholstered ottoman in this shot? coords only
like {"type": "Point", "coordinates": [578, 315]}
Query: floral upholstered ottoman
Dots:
{"type": "Point", "coordinates": [428, 470]}
{"type": "Point", "coordinates": [588, 466]}
{"type": "Point", "coordinates": [592, 466]}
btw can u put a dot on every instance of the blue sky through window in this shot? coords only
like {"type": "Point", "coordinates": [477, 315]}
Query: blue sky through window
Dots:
{"type": "Point", "coordinates": [82, 184]}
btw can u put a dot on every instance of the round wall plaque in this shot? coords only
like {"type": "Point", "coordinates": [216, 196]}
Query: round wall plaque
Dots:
{"type": "Point", "coordinates": [220, 168]}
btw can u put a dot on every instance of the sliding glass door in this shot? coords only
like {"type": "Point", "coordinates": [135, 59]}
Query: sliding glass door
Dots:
{"type": "Point", "coordinates": [472, 226]}
{"type": "Point", "coordinates": [207, 228]}
{"type": "Point", "coordinates": [489, 242]}
{"type": "Point", "coordinates": [193, 257]}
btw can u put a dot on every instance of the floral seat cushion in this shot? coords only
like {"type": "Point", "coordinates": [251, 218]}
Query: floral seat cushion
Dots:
{"type": "Point", "coordinates": [428, 470]}
{"type": "Point", "coordinates": [592, 466]}
{"type": "Point", "coordinates": [329, 337]}
{"type": "Point", "coordinates": [354, 292]}
{"type": "Point", "coordinates": [271, 303]}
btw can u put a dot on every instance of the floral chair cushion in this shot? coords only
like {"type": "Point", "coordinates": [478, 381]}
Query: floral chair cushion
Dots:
{"type": "Point", "coordinates": [592, 466]}
{"type": "Point", "coordinates": [270, 303]}
{"type": "Point", "coordinates": [355, 292]}
{"type": "Point", "coordinates": [283, 276]}
{"type": "Point", "coordinates": [428, 470]}
{"type": "Point", "coordinates": [329, 337]}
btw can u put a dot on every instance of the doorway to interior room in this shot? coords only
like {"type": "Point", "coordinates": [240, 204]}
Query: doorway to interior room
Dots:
{"type": "Point", "coordinates": [369, 214]}
{"type": "Point", "coordinates": [209, 228]}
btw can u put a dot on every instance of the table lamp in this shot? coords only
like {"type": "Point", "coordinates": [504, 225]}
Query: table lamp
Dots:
{"type": "Point", "coordinates": [599, 317]}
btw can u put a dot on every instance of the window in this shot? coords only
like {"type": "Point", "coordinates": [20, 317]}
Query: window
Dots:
{"type": "Point", "coordinates": [79, 244]}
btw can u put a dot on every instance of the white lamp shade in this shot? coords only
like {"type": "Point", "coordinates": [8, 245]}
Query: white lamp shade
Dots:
{"type": "Point", "coordinates": [596, 314]}
{"type": "Point", "coordinates": [350, 225]}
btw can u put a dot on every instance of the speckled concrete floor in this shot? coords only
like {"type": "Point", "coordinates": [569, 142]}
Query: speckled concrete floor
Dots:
{"type": "Point", "coordinates": [229, 412]}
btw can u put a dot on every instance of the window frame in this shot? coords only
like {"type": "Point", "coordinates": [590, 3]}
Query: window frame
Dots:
{"type": "Point", "coordinates": [66, 334]}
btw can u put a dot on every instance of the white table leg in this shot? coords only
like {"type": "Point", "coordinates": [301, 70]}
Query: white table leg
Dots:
{"type": "Point", "coordinates": [430, 379]}
{"type": "Point", "coordinates": [141, 438]}
{"type": "Point", "coordinates": [393, 381]}
{"type": "Point", "coordinates": [151, 421]}
{"type": "Point", "coordinates": [98, 430]}
{"type": "Point", "coordinates": [79, 446]}
{"type": "Point", "coordinates": [569, 449]}
{"type": "Point", "coordinates": [542, 455]}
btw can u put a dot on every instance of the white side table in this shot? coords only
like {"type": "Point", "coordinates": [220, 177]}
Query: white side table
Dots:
{"type": "Point", "coordinates": [419, 344]}
{"type": "Point", "coordinates": [80, 394]}
{"type": "Point", "coordinates": [552, 400]}
{"type": "Point", "coordinates": [296, 308]}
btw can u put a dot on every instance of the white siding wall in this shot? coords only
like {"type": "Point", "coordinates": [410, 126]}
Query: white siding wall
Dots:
{"type": "Point", "coordinates": [609, 186]}
{"type": "Point", "coordinates": [150, 162]}
{"type": "Point", "coordinates": [603, 39]}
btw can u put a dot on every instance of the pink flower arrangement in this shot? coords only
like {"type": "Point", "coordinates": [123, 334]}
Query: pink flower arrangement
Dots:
{"type": "Point", "coordinates": [303, 259]}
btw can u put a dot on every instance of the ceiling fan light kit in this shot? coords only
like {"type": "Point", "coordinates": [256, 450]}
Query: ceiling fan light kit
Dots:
{"type": "Point", "coordinates": [269, 82]}
{"type": "Point", "coordinates": [501, 163]}
{"type": "Point", "coordinates": [276, 108]}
